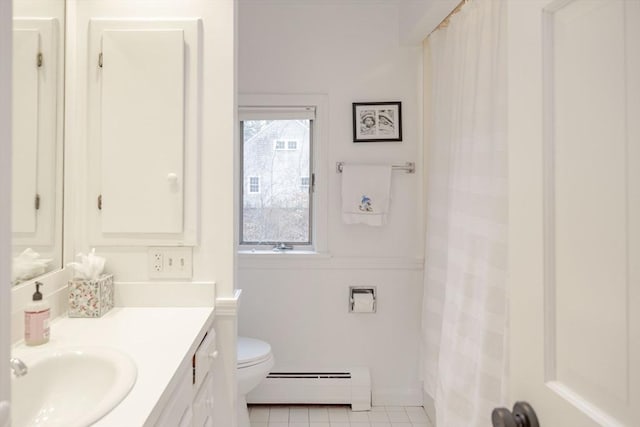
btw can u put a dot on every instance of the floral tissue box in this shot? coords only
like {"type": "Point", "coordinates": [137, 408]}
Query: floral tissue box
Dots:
{"type": "Point", "coordinates": [90, 298]}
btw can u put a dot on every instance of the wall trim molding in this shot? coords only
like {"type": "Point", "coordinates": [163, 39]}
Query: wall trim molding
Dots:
{"type": "Point", "coordinates": [278, 261]}
{"type": "Point", "coordinates": [228, 306]}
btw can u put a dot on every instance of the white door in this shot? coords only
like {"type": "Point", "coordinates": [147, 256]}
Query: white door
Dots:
{"type": "Point", "coordinates": [5, 214]}
{"type": "Point", "coordinates": [574, 132]}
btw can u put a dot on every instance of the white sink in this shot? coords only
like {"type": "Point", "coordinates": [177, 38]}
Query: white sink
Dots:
{"type": "Point", "coordinates": [72, 387]}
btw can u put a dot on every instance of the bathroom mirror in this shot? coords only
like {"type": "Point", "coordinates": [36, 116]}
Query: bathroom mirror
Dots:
{"type": "Point", "coordinates": [38, 117]}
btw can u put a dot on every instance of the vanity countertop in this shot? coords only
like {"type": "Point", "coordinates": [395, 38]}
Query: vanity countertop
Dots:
{"type": "Point", "coordinates": [158, 339]}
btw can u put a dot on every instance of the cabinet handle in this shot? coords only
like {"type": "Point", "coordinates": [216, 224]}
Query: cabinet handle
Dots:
{"type": "Point", "coordinates": [172, 178]}
{"type": "Point", "coordinates": [213, 354]}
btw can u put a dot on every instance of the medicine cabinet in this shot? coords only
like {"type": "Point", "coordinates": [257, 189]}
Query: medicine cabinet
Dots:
{"type": "Point", "coordinates": [143, 92]}
{"type": "Point", "coordinates": [143, 84]}
{"type": "Point", "coordinates": [37, 127]}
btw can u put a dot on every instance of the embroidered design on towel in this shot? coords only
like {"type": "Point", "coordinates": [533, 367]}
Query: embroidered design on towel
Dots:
{"type": "Point", "coordinates": [365, 204]}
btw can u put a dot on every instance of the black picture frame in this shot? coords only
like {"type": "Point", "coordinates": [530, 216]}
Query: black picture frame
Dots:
{"type": "Point", "coordinates": [377, 121]}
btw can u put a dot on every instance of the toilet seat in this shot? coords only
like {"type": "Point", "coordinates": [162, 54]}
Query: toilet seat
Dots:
{"type": "Point", "coordinates": [252, 352]}
{"type": "Point", "coordinates": [255, 360]}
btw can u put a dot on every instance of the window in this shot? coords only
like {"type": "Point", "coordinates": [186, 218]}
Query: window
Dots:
{"type": "Point", "coordinates": [281, 144]}
{"type": "Point", "coordinates": [281, 213]}
{"type": "Point", "coordinates": [254, 184]}
{"type": "Point", "coordinates": [304, 183]}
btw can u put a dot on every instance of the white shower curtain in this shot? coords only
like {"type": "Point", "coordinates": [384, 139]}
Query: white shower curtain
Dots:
{"type": "Point", "coordinates": [465, 307]}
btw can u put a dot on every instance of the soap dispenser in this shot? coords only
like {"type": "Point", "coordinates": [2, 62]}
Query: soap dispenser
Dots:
{"type": "Point", "coordinates": [36, 319]}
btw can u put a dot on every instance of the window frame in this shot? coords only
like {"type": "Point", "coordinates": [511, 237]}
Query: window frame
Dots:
{"type": "Point", "coordinates": [317, 170]}
{"type": "Point", "coordinates": [309, 244]}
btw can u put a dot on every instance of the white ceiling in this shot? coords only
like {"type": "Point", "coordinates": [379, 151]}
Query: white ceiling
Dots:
{"type": "Point", "coordinates": [417, 18]}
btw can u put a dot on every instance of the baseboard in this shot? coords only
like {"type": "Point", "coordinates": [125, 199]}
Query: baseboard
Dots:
{"type": "Point", "coordinates": [396, 397]}
{"type": "Point", "coordinates": [429, 407]}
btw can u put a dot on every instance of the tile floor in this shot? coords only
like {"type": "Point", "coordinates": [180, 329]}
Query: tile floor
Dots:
{"type": "Point", "coordinates": [337, 416]}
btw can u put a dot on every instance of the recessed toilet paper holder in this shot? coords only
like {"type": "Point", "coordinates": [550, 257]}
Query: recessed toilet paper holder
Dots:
{"type": "Point", "coordinates": [362, 291]}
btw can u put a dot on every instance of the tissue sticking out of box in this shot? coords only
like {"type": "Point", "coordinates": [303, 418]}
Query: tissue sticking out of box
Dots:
{"type": "Point", "coordinates": [90, 266]}
{"type": "Point", "coordinates": [28, 265]}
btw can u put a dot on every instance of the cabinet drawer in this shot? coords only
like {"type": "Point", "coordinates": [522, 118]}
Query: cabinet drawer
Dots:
{"type": "Point", "coordinates": [203, 359]}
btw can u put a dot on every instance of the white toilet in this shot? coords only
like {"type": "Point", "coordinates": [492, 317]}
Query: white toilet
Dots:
{"type": "Point", "coordinates": [254, 363]}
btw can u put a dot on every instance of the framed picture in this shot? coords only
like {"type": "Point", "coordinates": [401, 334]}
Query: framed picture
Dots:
{"type": "Point", "coordinates": [377, 121]}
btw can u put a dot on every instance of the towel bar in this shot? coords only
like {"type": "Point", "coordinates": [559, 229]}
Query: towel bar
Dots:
{"type": "Point", "coordinates": [408, 167]}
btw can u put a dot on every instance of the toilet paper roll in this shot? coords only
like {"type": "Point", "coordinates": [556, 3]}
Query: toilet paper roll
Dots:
{"type": "Point", "coordinates": [363, 303]}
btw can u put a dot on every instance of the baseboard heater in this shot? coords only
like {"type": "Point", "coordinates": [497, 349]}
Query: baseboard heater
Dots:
{"type": "Point", "coordinates": [346, 387]}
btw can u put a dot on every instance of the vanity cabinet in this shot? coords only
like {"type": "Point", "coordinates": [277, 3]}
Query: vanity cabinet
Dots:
{"type": "Point", "coordinates": [178, 411]}
{"type": "Point", "coordinates": [172, 349]}
{"type": "Point", "coordinates": [203, 381]}
{"type": "Point", "coordinates": [190, 402]}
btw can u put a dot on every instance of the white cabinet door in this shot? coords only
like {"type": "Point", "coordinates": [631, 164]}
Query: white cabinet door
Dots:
{"type": "Point", "coordinates": [177, 411]}
{"type": "Point", "coordinates": [37, 136]}
{"type": "Point", "coordinates": [143, 143]}
{"type": "Point", "coordinates": [26, 46]}
{"type": "Point", "coordinates": [574, 132]}
{"type": "Point", "coordinates": [203, 404]}
{"type": "Point", "coordinates": [142, 137]}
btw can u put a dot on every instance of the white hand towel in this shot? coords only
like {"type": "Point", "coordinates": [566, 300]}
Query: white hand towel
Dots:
{"type": "Point", "coordinates": [365, 194]}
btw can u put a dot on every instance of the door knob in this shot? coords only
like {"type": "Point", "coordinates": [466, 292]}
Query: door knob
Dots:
{"type": "Point", "coordinates": [522, 415]}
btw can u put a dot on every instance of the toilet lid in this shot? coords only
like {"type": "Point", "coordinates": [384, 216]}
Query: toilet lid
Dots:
{"type": "Point", "coordinates": [252, 351]}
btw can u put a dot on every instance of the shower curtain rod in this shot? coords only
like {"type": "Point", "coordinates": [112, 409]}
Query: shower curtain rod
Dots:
{"type": "Point", "coordinates": [445, 22]}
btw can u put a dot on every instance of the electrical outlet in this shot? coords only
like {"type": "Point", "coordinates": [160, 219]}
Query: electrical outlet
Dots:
{"type": "Point", "coordinates": [170, 262]}
{"type": "Point", "coordinates": [158, 262]}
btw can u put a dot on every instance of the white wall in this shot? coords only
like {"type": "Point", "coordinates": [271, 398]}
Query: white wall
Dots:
{"type": "Point", "coordinates": [214, 256]}
{"type": "Point", "coordinates": [418, 18]}
{"type": "Point", "coordinates": [349, 51]}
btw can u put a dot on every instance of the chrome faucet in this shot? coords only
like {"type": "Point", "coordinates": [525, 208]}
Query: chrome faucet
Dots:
{"type": "Point", "coordinates": [18, 367]}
